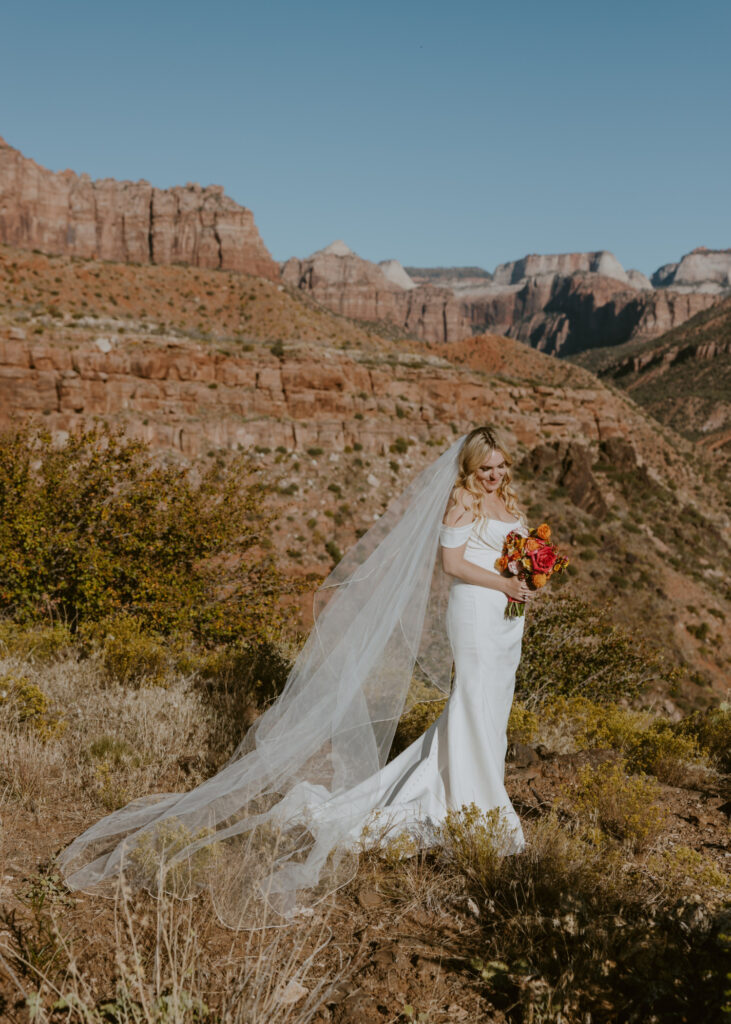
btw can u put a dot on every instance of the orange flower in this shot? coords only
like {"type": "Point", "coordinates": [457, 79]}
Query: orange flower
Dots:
{"type": "Point", "coordinates": [540, 579]}
{"type": "Point", "coordinates": [502, 563]}
{"type": "Point", "coordinates": [544, 531]}
{"type": "Point", "coordinates": [532, 544]}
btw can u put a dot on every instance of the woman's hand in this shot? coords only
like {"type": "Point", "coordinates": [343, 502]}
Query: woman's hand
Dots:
{"type": "Point", "coordinates": [518, 589]}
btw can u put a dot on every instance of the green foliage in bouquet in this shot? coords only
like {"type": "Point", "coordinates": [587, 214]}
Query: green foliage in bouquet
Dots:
{"type": "Point", "coordinates": [95, 527]}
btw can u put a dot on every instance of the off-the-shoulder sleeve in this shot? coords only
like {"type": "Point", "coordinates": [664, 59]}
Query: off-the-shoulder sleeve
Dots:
{"type": "Point", "coordinates": [454, 536]}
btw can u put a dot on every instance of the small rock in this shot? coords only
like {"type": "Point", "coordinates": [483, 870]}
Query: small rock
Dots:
{"type": "Point", "coordinates": [17, 333]}
{"type": "Point", "coordinates": [456, 1012]}
{"type": "Point", "coordinates": [369, 898]}
{"type": "Point", "coordinates": [292, 993]}
{"type": "Point", "coordinates": [372, 480]}
{"type": "Point", "coordinates": [103, 344]}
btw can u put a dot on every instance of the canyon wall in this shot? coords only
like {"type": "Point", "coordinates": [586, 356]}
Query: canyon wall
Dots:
{"type": "Point", "coordinates": [126, 221]}
{"type": "Point", "coordinates": [383, 293]}
{"type": "Point", "coordinates": [186, 398]}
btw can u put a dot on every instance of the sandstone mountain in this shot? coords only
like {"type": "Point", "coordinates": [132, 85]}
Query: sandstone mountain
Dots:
{"type": "Point", "coordinates": [381, 293]}
{"type": "Point", "coordinates": [199, 363]}
{"type": "Point", "coordinates": [569, 302]}
{"type": "Point", "coordinates": [561, 303]}
{"type": "Point", "coordinates": [126, 221]}
{"type": "Point", "coordinates": [702, 270]}
{"type": "Point", "coordinates": [683, 377]}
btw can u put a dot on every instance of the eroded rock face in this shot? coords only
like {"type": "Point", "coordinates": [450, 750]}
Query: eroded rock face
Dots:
{"type": "Point", "coordinates": [354, 287]}
{"type": "Point", "coordinates": [702, 270]}
{"type": "Point", "coordinates": [184, 397]}
{"type": "Point", "coordinates": [570, 466]}
{"type": "Point", "coordinates": [568, 302]}
{"type": "Point", "coordinates": [560, 264]}
{"type": "Point", "coordinates": [126, 221]}
{"type": "Point", "coordinates": [565, 315]}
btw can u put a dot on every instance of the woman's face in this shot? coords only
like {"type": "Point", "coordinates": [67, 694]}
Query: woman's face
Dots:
{"type": "Point", "coordinates": [490, 472]}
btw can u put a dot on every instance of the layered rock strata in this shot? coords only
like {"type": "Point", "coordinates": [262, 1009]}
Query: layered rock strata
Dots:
{"type": "Point", "coordinates": [346, 284]}
{"type": "Point", "coordinates": [569, 302]}
{"type": "Point", "coordinates": [126, 221]}
{"type": "Point", "coordinates": [183, 397]}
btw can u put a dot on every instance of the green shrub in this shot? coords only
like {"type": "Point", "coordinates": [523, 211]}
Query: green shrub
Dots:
{"type": "Point", "coordinates": [571, 647]}
{"type": "Point", "coordinates": [334, 551]}
{"type": "Point", "coordinates": [96, 527]}
{"type": "Point", "coordinates": [475, 843]}
{"type": "Point", "coordinates": [653, 746]}
{"type": "Point", "coordinates": [682, 870]}
{"type": "Point", "coordinates": [522, 723]}
{"type": "Point", "coordinates": [592, 725]}
{"type": "Point", "coordinates": [571, 924]}
{"type": "Point", "coordinates": [237, 681]}
{"type": "Point", "coordinates": [663, 752]}
{"type": "Point", "coordinates": [624, 806]}
{"type": "Point", "coordinates": [128, 653]}
{"type": "Point", "coordinates": [25, 704]}
{"type": "Point", "coordinates": [35, 642]}
{"type": "Point", "coordinates": [712, 730]}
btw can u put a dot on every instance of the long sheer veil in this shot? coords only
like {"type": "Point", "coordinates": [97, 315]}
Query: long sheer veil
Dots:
{"type": "Point", "coordinates": [276, 829]}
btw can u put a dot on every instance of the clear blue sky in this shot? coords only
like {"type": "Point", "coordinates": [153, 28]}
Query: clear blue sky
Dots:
{"type": "Point", "coordinates": [467, 132]}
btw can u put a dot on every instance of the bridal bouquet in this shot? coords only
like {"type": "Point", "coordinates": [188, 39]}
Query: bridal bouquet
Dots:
{"type": "Point", "coordinates": [532, 558]}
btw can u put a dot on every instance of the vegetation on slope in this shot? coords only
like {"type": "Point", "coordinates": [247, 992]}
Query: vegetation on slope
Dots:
{"type": "Point", "coordinates": [177, 300]}
{"type": "Point", "coordinates": [683, 377]}
{"type": "Point", "coordinates": [615, 909]}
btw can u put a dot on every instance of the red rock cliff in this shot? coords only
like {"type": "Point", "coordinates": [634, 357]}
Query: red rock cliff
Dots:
{"type": "Point", "coordinates": [126, 221]}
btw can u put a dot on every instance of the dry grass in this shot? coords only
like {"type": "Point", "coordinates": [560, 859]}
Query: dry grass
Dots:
{"type": "Point", "coordinates": [116, 743]}
{"type": "Point", "coordinates": [540, 936]}
{"type": "Point", "coordinates": [165, 961]}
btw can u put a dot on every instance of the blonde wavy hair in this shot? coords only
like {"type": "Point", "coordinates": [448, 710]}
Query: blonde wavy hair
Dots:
{"type": "Point", "coordinates": [479, 446]}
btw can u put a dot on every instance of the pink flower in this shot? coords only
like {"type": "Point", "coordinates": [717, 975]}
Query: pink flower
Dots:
{"type": "Point", "coordinates": [543, 559]}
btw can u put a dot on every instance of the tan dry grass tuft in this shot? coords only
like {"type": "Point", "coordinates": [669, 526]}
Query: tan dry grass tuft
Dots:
{"type": "Point", "coordinates": [117, 743]}
{"type": "Point", "coordinates": [172, 964]}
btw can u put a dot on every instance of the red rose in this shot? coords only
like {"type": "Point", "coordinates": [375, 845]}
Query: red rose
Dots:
{"type": "Point", "coordinates": [543, 559]}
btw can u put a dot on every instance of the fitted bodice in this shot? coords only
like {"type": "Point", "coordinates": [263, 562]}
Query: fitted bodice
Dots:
{"type": "Point", "coordinates": [484, 538]}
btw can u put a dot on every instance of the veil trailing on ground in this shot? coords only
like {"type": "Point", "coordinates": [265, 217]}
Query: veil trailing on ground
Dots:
{"type": "Point", "coordinates": [277, 828]}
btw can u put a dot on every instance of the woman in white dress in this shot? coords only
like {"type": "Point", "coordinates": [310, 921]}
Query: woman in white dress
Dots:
{"type": "Point", "coordinates": [460, 759]}
{"type": "Point", "coordinates": [278, 827]}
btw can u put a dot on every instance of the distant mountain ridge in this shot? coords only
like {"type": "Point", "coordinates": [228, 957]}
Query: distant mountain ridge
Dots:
{"type": "Point", "coordinates": [560, 303]}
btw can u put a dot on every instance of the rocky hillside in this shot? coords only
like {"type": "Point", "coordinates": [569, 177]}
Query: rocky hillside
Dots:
{"type": "Point", "coordinates": [199, 362]}
{"type": "Point", "coordinates": [126, 221]}
{"type": "Point", "coordinates": [381, 293]}
{"type": "Point", "coordinates": [683, 377]}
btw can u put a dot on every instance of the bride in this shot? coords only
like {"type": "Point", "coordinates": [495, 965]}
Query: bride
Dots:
{"type": "Point", "coordinates": [280, 826]}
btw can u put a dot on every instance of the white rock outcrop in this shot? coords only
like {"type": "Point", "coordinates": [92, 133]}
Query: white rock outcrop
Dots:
{"type": "Point", "coordinates": [396, 274]}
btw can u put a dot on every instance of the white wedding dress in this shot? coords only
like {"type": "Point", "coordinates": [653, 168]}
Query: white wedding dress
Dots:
{"type": "Point", "coordinates": [280, 825]}
{"type": "Point", "coordinates": [460, 759]}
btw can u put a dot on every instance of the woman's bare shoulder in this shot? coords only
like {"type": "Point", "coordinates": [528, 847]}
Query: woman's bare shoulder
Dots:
{"type": "Point", "coordinates": [459, 508]}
